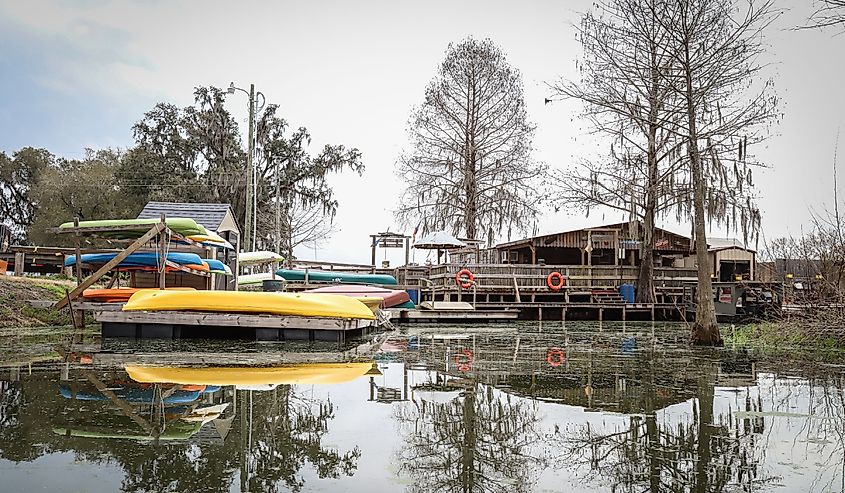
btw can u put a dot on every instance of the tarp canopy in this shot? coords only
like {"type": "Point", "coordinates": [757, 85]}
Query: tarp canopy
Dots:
{"type": "Point", "coordinates": [438, 240]}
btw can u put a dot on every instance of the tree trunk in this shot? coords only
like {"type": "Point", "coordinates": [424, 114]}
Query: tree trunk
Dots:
{"type": "Point", "coordinates": [705, 431]}
{"type": "Point", "coordinates": [468, 444]}
{"type": "Point", "coordinates": [705, 330]}
{"type": "Point", "coordinates": [645, 281]}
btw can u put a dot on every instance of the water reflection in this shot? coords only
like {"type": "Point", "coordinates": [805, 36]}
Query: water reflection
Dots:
{"type": "Point", "coordinates": [530, 408]}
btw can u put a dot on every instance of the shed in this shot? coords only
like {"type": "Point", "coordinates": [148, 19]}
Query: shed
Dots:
{"type": "Point", "coordinates": [731, 259]}
{"type": "Point", "coordinates": [214, 217]}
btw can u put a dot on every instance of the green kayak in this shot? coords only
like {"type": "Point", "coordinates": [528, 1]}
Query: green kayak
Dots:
{"type": "Point", "coordinates": [295, 275]}
{"type": "Point", "coordinates": [182, 225]}
{"type": "Point", "coordinates": [177, 430]}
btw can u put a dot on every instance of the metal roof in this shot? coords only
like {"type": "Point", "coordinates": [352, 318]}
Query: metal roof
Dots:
{"type": "Point", "coordinates": [209, 215]}
{"type": "Point", "coordinates": [715, 244]}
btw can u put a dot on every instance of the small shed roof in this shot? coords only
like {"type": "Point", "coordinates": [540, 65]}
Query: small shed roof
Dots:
{"type": "Point", "coordinates": [716, 244]}
{"type": "Point", "coordinates": [212, 216]}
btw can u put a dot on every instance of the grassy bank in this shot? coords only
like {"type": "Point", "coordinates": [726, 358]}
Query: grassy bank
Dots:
{"type": "Point", "coordinates": [787, 336]}
{"type": "Point", "coordinates": [15, 311]}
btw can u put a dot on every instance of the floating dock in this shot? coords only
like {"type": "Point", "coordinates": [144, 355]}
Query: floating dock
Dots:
{"type": "Point", "coordinates": [184, 324]}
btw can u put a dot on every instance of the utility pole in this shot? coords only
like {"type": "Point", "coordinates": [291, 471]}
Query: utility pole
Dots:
{"type": "Point", "coordinates": [278, 212]}
{"type": "Point", "coordinates": [249, 227]}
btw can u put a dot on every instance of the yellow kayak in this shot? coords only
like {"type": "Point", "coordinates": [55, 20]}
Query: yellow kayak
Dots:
{"type": "Point", "coordinates": [308, 373]}
{"type": "Point", "coordinates": [290, 304]}
{"type": "Point", "coordinates": [371, 303]}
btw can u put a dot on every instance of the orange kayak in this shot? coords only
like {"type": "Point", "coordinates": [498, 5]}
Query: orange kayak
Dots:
{"type": "Point", "coordinates": [118, 295]}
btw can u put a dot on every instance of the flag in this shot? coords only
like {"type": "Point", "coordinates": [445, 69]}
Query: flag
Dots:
{"type": "Point", "coordinates": [414, 234]}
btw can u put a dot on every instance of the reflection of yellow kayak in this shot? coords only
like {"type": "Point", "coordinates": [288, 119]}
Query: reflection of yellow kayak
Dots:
{"type": "Point", "coordinates": [309, 373]}
{"type": "Point", "coordinates": [290, 304]}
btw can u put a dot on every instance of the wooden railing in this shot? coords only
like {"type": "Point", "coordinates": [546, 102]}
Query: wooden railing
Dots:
{"type": "Point", "coordinates": [507, 276]}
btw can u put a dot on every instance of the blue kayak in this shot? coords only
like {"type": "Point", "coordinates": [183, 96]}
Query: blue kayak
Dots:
{"type": "Point", "coordinates": [215, 265]}
{"type": "Point", "coordinates": [129, 394]}
{"type": "Point", "coordinates": [138, 259]}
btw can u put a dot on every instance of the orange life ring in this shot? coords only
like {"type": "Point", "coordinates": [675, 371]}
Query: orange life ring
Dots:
{"type": "Point", "coordinates": [464, 360]}
{"type": "Point", "coordinates": [555, 286]}
{"type": "Point", "coordinates": [464, 278]}
{"type": "Point", "coordinates": [555, 356]}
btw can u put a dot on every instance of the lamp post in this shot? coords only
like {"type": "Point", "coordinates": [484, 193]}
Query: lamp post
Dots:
{"type": "Point", "coordinates": [251, 185]}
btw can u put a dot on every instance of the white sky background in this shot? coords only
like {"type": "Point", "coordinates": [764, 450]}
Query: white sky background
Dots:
{"type": "Point", "coordinates": [351, 72]}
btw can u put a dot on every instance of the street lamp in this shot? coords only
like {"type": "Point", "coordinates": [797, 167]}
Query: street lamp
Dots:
{"type": "Point", "coordinates": [251, 185]}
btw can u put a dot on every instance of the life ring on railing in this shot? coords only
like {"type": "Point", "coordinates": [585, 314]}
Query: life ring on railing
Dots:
{"type": "Point", "coordinates": [555, 285]}
{"type": "Point", "coordinates": [465, 278]}
{"type": "Point", "coordinates": [464, 360]}
{"type": "Point", "coordinates": [555, 356]}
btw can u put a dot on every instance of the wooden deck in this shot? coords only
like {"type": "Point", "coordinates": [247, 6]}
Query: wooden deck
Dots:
{"type": "Point", "coordinates": [455, 316]}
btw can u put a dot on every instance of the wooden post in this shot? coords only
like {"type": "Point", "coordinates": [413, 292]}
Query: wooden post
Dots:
{"type": "Point", "coordinates": [76, 241]}
{"type": "Point", "coordinates": [162, 249]}
{"type": "Point", "coordinates": [20, 260]}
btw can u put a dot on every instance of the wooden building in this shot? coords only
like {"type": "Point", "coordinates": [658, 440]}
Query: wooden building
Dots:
{"type": "Point", "coordinates": [612, 244]}
{"type": "Point", "coordinates": [731, 260]}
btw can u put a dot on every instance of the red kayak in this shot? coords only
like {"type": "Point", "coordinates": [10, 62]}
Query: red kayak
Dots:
{"type": "Point", "coordinates": [392, 297]}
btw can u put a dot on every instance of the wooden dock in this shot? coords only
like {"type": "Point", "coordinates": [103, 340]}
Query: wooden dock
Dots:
{"type": "Point", "coordinates": [183, 324]}
{"type": "Point", "coordinates": [454, 316]}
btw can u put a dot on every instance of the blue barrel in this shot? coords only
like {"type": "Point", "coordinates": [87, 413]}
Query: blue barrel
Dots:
{"type": "Point", "coordinates": [414, 294]}
{"type": "Point", "coordinates": [626, 291]}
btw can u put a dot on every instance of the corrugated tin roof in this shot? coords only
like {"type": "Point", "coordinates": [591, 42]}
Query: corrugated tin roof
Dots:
{"type": "Point", "coordinates": [664, 240]}
{"type": "Point", "coordinates": [209, 215]}
{"type": "Point", "coordinates": [714, 244]}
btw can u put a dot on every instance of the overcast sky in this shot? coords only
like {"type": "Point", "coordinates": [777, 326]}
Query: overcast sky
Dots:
{"type": "Point", "coordinates": [78, 74]}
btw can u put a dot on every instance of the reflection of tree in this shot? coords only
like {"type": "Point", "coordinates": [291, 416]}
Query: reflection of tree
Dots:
{"type": "Point", "coordinates": [481, 441]}
{"type": "Point", "coordinates": [700, 454]}
{"type": "Point", "coordinates": [286, 430]}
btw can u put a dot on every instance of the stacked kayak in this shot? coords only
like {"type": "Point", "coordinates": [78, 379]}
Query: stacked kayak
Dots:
{"type": "Point", "coordinates": [287, 304]}
{"type": "Point", "coordinates": [306, 373]}
{"type": "Point", "coordinates": [137, 259]}
{"type": "Point", "coordinates": [184, 226]}
{"type": "Point", "coordinates": [217, 267]}
{"type": "Point", "coordinates": [261, 257]}
{"type": "Point", "coordinates": [336, 277]}
{"type": "Point", "coordinates": [390, 297]}
{"type": "Point", "coordinates": [118, 295]}
{"type": "Point", "coordinates": [131, 394]}
{"type": "Point", "coordinates": [257, 278]}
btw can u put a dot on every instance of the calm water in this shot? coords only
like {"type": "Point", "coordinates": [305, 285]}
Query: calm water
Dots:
{"type": "Point", "coordinates": [504, 408]}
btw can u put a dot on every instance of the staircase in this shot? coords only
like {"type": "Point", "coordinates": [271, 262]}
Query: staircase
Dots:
{"type": "Point", "coordinates": [606, 296]}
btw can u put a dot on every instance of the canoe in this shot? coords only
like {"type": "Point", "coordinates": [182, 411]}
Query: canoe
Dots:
{"type": "Point", "coordinates": [306, 374]}
{"type": "Point", "coordinates": [111, 295]}
{"type": "Point", "coordinates": [137, 259]}
{"type": "Point", "coordinates": [261, 257]}
{"type": "Point", "coordinates": [182, 225]}
{"type": "Point", "coordinates": [289, 304]}
{"type": "Point", "coordinates": [391, 297]}
{"type": "Point", "coordinates": [335, 277]}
